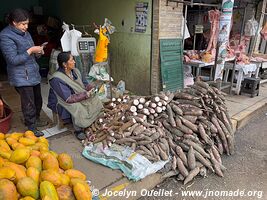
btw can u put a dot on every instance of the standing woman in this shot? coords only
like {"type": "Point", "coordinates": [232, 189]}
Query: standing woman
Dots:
{"type": "Point", "coordinates": [23, 71]}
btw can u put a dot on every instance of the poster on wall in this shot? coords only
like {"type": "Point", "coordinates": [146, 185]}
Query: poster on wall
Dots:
{"type": "Point", "coordinates": [141, 10]}
{"type": "Point", "coordinates": [223, 37]}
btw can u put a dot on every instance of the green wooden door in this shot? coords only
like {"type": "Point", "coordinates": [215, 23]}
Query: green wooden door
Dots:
{"type": "Point", "coordinates": [171, 64]}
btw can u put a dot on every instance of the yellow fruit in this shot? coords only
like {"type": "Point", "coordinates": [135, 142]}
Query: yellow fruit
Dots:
{"type": "Point", "coordinates": [43, 154]}
{"type": "Point", "coordinates": [28, 187]}
{"type": "Point", "coordinates": [4, 145]}
{"type": "Point", "coordinates": [54, 154]}
{"type": "Point", "coordinates": [65, 193]}
{"type": "Point", "coordinates": [50, 162]}
{"type": "Point", "coordinates": [81, 192]}
{"type": "Point", "coordinates": [48, 189]}
{"type": "Point", "coordinates": [40, 146]}
{"type": "Point", "coordinates": [11, 141]}
{"type": "Point", "coordinates": [1, 161]}
{"type": "Point", "coordinates": [44, 148]}
{"type": "Point", "coordinates": [61, 171]}
{"type": "Point", "coordinates": [8, 190]}
{"type": "Point", "coordinates": [65, 180]}
{"type": "Point", "coordinates": [2, 136]}
{"type": "Point", "coordinates": [35, 162]}
{"type": "Point", "coordinates": [46, 198]}
{"type": "Point", "coordinates": [27, 198]}
{"type": "Point", "coordinates": [7, 173]}
{"type": "Point", "coordinates": [52, 176]}
{"type": "Point", "coordinates": [17, 145]}
{"type": "Point", "coordinates": [73, 181]}
{"type": "Point", "coordinates": [20, 156]}
{"type": "Point", "coordinates": [35, 153]}
{"type": "Point", "coordinates": [73, 173]}
{"type": "Point", "coordinates": [43, 140]}
{"type": "Point", "coordinates": [34, 174]}
{"type": "Point", "coordinates": [33, 137]}
{"type": "Point", "coordinates": [19, 169]}
{"type": "Point", "coordinates": [14, 135]}
{"type": "Point", "coordinates": [29, 133]}
{"type": "Point", "coordinates": [65, 161]}
{"type": "Point", "coordinates": [5, 153]}
{"type": "Point", "coordinates": [26, 141]}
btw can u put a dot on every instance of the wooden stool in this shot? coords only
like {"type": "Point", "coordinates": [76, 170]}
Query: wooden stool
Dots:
{"type": "Point", "coordinates": [250, 86]}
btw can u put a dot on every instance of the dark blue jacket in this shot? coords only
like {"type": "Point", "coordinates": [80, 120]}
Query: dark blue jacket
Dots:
{"type": "Point", "coordinates": [22, 68]}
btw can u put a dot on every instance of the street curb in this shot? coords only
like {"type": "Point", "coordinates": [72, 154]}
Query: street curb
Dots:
{"type": "Point", "coordinates": [135, 188]}
{"type": "Point", "coordinates": [238, 120]}
{"type": "Point", "coordinates": [244, 116]}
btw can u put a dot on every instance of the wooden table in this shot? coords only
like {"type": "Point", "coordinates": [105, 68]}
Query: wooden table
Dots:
{"type": "Point", "coordinates": [243, 70]}
{"type": "Point", "coordinates": [197, 64]}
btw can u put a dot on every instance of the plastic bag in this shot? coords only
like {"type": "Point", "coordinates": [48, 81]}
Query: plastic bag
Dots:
{"type": "Point", "coordinates": [103, 92]}
{"type": "Point", "coordinates": [53, 65]}
{"type": "Point", "coordinates": [121, 87]}
{"type": "Point", "coordinates": [101, 53]}
{"type": "Point", "coordinates": [133, 165]}
{"type": "Point", "coordinates": [99, 72]}
{"type": "Point", "coordinates": [66, 38]}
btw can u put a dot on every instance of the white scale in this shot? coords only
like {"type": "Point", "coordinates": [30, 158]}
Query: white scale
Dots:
{"type": "Point", "coordinates": [86, 45]}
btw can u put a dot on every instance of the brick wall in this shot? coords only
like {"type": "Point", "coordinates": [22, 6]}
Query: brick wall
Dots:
{"type": "Point", "coordinates": [167, 20]}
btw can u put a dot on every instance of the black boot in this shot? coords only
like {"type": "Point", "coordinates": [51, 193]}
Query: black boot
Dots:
{"type": "Point", "coordinates": [36, 132]}
{"type": "Point", "coordinates": [80, 135]}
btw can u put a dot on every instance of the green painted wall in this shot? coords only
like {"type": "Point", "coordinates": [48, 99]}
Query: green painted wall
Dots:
{"type": "Point", "coordinates": [130, 51]}
{"type": "Point", "coordinates": [8, 5]}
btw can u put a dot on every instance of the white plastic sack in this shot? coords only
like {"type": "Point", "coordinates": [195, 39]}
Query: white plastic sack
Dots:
{"type": "Point", "coordinates": [99, 72]}
{"type": "Point", "coordinates": [66, 38]}
{"type": "Point", "coordinates": [75, 35]}
{"type": "Point", "coordinates": [186, 33]}
{"type": "Point", "coordinates": [69, 39]}
{"type": "Point", "coordinates": [251, 27]}
{"type": "Point", "coordinates": [65, 41]}
{"type": "Point", "coordinates": [133, 165]}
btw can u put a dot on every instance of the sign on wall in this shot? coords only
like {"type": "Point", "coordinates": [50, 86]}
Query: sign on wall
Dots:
{"type": "Point", "coordinates": [141, 10]}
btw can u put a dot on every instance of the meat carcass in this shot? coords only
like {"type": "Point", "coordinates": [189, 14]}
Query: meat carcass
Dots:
{"type": "Point", "coordinates": [214, 16]}
{"type": "Point", "coordinates": [264, 32]}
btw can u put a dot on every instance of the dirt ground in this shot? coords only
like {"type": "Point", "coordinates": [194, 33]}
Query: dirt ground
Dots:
{"type": "Point", "coordinates": [246, 173]}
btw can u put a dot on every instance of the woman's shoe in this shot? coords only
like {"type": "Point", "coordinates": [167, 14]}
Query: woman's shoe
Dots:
{"type": "Point", "coordinates": [80, 135]}
{"type": "Point", "coordinates": [38, 133]}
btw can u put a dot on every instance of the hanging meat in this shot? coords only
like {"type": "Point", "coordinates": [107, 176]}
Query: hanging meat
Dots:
{"type": "Point", "coordinates": [214, 16]}
{"type": "Point", "coordinates": [264, 32]}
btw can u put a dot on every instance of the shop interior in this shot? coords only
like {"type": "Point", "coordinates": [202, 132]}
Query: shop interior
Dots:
{"type": "Point", "coordinates": [246, 21]}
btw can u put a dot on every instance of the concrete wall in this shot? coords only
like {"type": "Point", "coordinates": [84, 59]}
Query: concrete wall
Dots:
{"type": "Point", "coordinates": [130, 51]}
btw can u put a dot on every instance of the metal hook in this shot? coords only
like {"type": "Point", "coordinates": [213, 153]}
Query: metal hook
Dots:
{"type": "Point", "coordinates": [85, 31]}
{"type": "Point", "coordinates": [73, 26]}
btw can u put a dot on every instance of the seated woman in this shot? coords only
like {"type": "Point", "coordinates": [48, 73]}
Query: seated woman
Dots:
{"type": "Point", "coordinates": [72, 99]}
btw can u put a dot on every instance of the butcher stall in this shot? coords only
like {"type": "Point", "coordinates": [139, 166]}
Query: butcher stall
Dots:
{"type": "Point", "coordinates": [220, 40]}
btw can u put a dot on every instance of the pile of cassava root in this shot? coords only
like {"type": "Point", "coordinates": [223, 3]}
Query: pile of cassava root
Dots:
{"type": "Point", "coordinates": [191, 128]}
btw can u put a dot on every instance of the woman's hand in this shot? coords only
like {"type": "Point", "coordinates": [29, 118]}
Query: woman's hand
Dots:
{"type": "Point", "coordinates": [90, 92]}
{"type": "Point", "coordinates": [35, 49]}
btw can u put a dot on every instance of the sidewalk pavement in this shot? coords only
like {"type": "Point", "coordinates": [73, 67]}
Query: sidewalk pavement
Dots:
{"type": "Point", "coordinates": [241, 109]}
